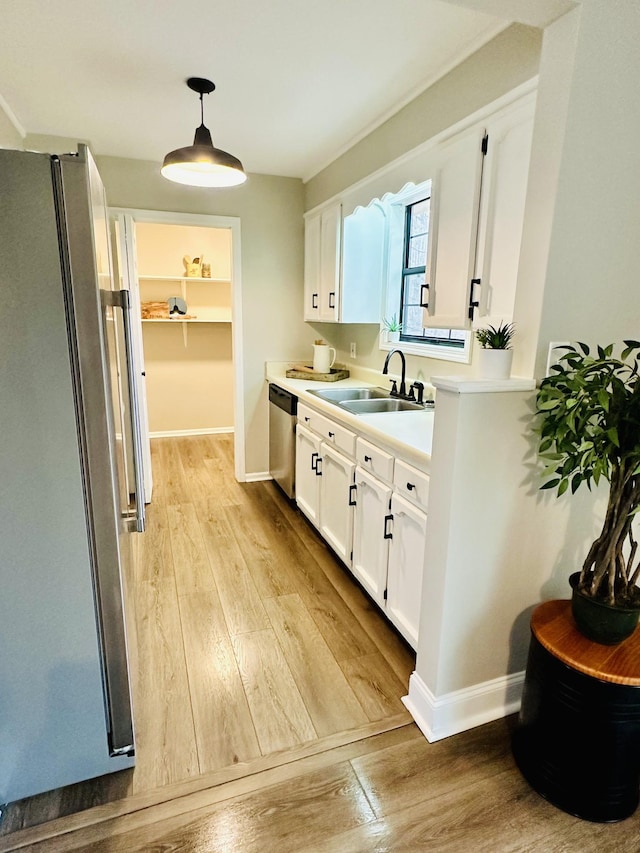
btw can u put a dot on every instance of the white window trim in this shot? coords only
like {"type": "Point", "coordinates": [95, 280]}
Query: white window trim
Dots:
{"type": "Point", "coordinates": [462, 355]}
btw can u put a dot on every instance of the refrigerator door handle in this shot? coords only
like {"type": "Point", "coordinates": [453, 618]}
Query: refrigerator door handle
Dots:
{"type": "Point", "coordinates": [120, 299]}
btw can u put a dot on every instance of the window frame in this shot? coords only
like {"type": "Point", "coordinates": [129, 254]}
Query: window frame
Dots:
{"type": "Point", "coordinates": [397, 254]}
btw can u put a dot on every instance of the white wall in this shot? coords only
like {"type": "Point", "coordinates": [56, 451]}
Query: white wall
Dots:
{"type": "Point", "coordinates": [591, 289]}
{"type": "Point", "coordinates": [497, 545]}
{"type": "Point", "coordinates": [554, 88]}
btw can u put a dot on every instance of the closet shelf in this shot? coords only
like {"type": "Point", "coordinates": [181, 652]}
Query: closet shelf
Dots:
{"type": "Point", "coordinates": [185, 279]}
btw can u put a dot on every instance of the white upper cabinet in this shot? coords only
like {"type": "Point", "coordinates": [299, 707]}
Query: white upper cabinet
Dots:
{"type": "Point", "coordinates": [312, 268]}
{"type": "Point", "coordinates": [504, 189]}
{"type": "Point", "coordinates": [455, 200]}
{"type": "Point", "coordinates": [363, 264]}
{"type": "Point", "coordinates": [344, 265]}
{"type": "Point", "coordinates": [322, 248]}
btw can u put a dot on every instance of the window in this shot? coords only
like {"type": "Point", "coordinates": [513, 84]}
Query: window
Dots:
{"type": "Point", "coordinates": [409, 217]}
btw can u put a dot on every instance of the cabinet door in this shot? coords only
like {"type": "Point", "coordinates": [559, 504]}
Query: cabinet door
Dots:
{"type": "Point", "coordinates": [308, 473]}
{"type": "Point", "coordinates": [330, 247]}
{"type": "Point", "coordinates": [364, 235]}
{"type": "Point", "coordinates": [405, 568]}
{"type": "Point", "coordinates": [504, 189]}
{"type": "Point", "coordinates": [336, 513]}
{"type": "Point", "coordinates": [370, 548]}
{"type": "Point", "coordinates": [454, 225]}
{"type": "Point", "coordinates": [312, 267]}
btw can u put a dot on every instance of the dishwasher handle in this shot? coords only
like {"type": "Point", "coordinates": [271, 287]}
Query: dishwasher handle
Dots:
{"type": "Point", "coordinates": [283, 399]}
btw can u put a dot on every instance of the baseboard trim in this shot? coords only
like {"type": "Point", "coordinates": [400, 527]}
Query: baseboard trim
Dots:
{"type": "Point", "coordinates": [257, 477]}
{"type": "Point", "coordinates": [438, 717]}
{"type": "Point", "coordinates": [177, 433]}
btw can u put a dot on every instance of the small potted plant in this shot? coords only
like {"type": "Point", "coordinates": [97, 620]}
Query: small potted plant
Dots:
{"type": "Point", "coordinates": [392, 328]}
{"type": "Point", "coordinates": [495, 355]}
{"type": "Point", "coordinates": [588, 421]}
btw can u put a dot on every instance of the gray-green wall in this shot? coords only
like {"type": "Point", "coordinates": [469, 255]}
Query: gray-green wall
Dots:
{"type": "Point", "coordinates": [507, 61]}
{"type": "Point", "coordinates": [9, 136]}
{"type": "Point", "coordinates": [270, 209]}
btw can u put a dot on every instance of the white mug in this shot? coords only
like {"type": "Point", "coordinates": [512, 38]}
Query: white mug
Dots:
{"type": "Point", "coordinates": [322, 359]}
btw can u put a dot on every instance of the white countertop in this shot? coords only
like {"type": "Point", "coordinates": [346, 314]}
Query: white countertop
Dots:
{"type": "Point", "coordinates": [408, 435]}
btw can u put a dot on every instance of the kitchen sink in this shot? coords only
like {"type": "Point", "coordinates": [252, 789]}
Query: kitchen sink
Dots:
{"type": "Point", "coordinates": [339, 395]}
{"type": "Point", "coordinates": [391, 404]}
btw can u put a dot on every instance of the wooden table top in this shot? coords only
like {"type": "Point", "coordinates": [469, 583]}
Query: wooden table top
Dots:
{"type": "Point", "coordinates": [553, 626]}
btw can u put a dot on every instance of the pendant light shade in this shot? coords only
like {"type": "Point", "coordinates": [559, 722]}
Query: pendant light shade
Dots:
{"type": "Point", "coordinates": [201, 164]}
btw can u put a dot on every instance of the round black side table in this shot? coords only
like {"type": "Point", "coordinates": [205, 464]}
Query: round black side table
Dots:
{"type": "Point", "coordinates": [578, 736]}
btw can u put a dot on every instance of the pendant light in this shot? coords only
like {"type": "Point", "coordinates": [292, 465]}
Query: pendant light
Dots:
{"type": "Point", "coordinates": [200, 164]}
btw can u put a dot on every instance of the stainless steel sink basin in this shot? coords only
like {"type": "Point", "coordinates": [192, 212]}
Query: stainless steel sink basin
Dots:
{"type": "Point", "coordinates": [338, 395]}
{"type": "Point", "coordinates": [391, 404]}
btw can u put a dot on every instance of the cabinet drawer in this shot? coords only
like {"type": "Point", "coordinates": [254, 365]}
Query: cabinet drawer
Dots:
{"type": "Point", "coordinates": [330, 431]}
{"type": "Point", "coordinates": [375, 460]}
{"type": "Point", "coordinates": [306, 415]}
{"type": "Point", "coordinates": [411, 483]}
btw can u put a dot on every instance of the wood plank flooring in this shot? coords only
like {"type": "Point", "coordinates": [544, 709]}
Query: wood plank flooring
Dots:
{"type": "Point", "coordinates": [249, 641]}
{"type": "Point", "coordinates": [392, 793]}
{"type": "Point", "coordinates": [305, 656]}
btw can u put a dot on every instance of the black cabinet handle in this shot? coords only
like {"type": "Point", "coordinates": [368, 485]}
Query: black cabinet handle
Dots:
{"type": "Point", "coordinates": [314, 462]}
{"type": "Point", "coordinates": [318, 468]}
{"type": "Point", "coordinates": [367, 459]}
{"type": "Point", "coordinates": [424, 300]}
{"type": "Point", "coordinates": [388, 533]}
{"type": "Point", "coordinates": [307, 419]}
{"type": "Point", "coordinates": [332, 299]}
{"type": "Point", "coordinates": [314, 300]}
{"type": "Point", "coordinates": [352, 491]}
{"type": "Point", "coordinates": [331, 434]}
{"type": "Point", "coordinates": [411, 486]}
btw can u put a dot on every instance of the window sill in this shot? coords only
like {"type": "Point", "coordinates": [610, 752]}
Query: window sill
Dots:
{"type": "Point", "coordinates": [460, 355]}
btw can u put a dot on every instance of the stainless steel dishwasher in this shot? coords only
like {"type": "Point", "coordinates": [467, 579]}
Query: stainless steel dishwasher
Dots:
{"type": "Point", "coordinates": [283, 408]}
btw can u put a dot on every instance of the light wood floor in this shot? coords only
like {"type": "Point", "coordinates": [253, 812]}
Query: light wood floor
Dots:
{"type": "Point", "coordinates": [355, 791]}
{"type": "Point", "coordinates": [250, 645]}
{"type": "Point", "coordinates": [390, 793]}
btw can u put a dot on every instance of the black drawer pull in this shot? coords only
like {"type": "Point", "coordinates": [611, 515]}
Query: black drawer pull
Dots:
{"type": "Point", "coordinates": [314, 300]}
{"type": "Point", "coordinates": [331, 434]}
{"type": "Point", "coordinates": [352, 492]}
{"type": "Point", "coordinates": [411, 486]}
{"type": "Point", "coordinates": [367, 459]}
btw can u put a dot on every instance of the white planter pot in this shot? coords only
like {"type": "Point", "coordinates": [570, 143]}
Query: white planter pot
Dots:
{"type": "Point", "coordinates": [494, 363]}
{"type": "Point", "coordinates": [393, 337]}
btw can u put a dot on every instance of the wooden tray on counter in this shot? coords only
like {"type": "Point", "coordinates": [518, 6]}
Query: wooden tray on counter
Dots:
{"type": "Point", "coordinates": [303, 371]}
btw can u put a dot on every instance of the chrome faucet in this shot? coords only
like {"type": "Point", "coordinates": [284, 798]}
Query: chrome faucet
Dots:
{"type": "Point", "coordinates": [385, 370]}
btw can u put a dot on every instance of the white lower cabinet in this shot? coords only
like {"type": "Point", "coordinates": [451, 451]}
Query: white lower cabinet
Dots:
{"type": "Point", "coordinates": [324, 478]}
{"type": "Point", "coordinates": [406, 566]}
{"type": "Point", "coordinates": [372, 513]}
{"type": "Point", "coordinates": [370, 548]}
{"type": "Point", "coordinates": [307, 474]}
{"type": "Point", "coordinates": [336, 509]}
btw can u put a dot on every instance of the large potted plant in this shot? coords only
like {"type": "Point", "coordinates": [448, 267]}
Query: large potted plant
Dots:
{"type": "Point", "coordinates": [588, 422]}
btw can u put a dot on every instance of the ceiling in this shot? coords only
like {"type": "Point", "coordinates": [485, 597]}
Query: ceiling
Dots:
{"type": "Point", "coordinates": [297, 82]}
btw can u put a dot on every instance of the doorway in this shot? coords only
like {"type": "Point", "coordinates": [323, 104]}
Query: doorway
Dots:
{"type": "Point", "coordinates": [183, 274]}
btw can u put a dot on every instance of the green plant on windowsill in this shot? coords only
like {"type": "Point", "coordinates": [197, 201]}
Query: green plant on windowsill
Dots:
{"type": "Point", "coordinates": [392, 324]}
{"type": "Point", "coordinates": [588, 422]}
{"type": "Point", "coordinates": [499, 337]}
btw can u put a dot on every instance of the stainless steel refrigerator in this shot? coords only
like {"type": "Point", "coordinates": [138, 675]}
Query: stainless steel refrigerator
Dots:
{"type": "Point", "coordinates": [67, 426]}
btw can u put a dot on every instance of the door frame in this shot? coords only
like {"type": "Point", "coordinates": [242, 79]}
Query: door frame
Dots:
{"type": "Point", "coordinates": [233, 224]}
